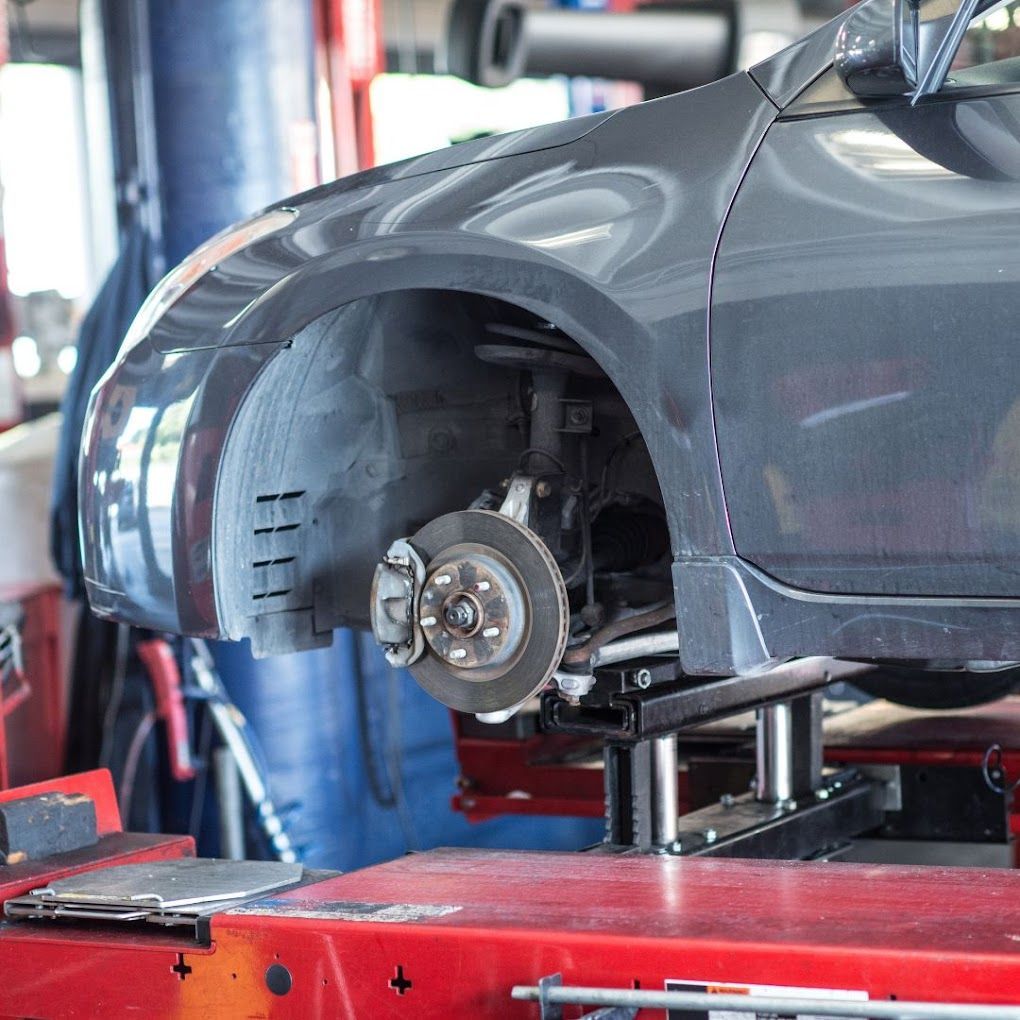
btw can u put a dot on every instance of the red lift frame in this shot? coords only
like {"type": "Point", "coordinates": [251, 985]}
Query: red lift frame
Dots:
{"type": "Point", "coordinates": [548, 774]}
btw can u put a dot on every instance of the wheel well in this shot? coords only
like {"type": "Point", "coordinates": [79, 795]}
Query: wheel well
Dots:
{"type": "Point", "coordinates": [378, 417]}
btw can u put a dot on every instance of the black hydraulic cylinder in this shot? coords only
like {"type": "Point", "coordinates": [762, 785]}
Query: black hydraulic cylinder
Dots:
{"type": "Point", "coordinates": [676, 49]}
{"type": "Point", "coordinates": [666, 49]}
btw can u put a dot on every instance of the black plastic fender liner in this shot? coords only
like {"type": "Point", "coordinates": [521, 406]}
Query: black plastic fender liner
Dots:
{"type": "Point", "coordinates": [376, 419]}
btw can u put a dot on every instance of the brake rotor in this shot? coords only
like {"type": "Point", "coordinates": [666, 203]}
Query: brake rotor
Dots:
{"type": "Point", "coordinates": [493, 611]}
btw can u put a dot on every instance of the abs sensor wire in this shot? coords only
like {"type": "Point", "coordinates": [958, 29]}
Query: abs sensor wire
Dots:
{"type": "Point", "coordinates": [534, 451]}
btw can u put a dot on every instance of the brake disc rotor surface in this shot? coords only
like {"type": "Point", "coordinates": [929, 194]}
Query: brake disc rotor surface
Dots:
{"type": "Point", "coordinates": [493, 611]}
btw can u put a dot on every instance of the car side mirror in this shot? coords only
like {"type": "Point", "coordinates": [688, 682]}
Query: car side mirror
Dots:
{"type": "Point", "coordinates": [902, 47]}
{"type": "Point", "coordinates": [875, 54]}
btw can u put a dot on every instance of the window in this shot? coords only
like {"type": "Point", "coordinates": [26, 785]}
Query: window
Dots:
{"type": "Point", "coordinates": [990, 51]}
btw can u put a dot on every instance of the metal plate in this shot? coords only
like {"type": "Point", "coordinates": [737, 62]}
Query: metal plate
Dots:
{"type": "Point", "coordinates": [171, 885]}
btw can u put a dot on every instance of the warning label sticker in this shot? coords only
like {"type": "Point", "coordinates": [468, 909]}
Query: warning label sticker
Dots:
{"type": "Point", "coordinates": [765, 991]}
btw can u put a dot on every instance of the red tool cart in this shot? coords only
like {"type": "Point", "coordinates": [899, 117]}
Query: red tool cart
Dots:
{"type": "Point", "coordinates": [32, 702]}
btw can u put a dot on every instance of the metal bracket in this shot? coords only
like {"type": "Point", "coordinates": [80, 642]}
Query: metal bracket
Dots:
{"type": "Point", "coordinates": [689, 701]}
{"type": "Point", "coordinates": [517, 504]}
{"type": "Point", "coordinates": [549, 1010]}
{"type": "Point", "coordinates": [573, 686]}
{"type": "Point", "coordinates": [578, 417]}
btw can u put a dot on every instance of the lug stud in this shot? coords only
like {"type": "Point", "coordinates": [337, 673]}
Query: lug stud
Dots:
{"type": "Point", "coordinates": [490, 632]}
{"type": "Point", "coordinates": [458, 653]}
{"type": "Point", "coordinates": [428, 621]}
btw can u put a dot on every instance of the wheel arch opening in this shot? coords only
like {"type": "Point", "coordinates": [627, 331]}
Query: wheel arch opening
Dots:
{"type": "Point", "coordinates": [383, 414]}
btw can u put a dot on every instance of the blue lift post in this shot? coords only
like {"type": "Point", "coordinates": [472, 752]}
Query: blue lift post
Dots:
{"type": "Point", "coordinates": [233, 90]}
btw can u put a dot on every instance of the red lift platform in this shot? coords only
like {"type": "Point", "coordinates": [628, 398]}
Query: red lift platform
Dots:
{"type": "Point", "coordinates": [451, 933]}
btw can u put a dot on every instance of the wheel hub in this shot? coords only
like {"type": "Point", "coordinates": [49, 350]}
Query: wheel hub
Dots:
{"type": "Point", "coordinates": [473, 609]}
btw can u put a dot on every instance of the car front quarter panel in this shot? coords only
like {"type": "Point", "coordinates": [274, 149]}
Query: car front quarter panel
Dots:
{"type": "Point", "coordinates": [154, 434]}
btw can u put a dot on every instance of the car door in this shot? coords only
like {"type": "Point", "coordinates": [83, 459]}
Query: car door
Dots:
{"type": "Point", "coordinates": [865, 336]}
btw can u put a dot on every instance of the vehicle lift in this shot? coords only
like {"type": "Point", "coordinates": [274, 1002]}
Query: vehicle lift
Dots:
{"type": "Point", "coordinates": [754, 905]}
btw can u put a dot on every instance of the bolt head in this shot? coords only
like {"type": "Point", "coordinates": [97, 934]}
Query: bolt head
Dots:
{"type": "Point", "coordinates": [643, 678]}
{"type": "Point", "coordinates": [543, 489]}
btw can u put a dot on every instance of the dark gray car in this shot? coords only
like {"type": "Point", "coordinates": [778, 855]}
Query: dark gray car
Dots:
{"type": "Point", "coordinates": [745, 356]}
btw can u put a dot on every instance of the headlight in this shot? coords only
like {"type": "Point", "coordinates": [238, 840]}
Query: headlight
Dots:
{"type": "Point", "coordinates": [202, 260]}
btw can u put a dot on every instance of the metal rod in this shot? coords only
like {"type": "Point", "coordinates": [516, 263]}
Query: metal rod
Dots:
{"type": "Point", "coordinates": [774, 753]}
{"type": "Point", "coordinates": [662, 643]}
{"type": "Point", "coordinates": [784, 1005]}
{"type": "Point", "coordinates": [665, 820]}
{"type": "Point", "coordinates": [230, 805]}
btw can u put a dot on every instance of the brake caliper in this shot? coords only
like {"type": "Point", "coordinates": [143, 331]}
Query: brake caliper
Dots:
{"type": "Point", "coordinates": [396, 589]}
